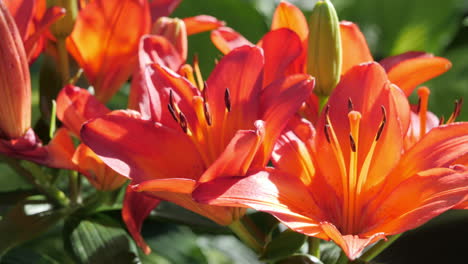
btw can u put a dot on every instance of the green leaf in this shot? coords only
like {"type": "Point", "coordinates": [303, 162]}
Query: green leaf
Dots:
{"type": "Point", "coordinates": [226, 249]}
{"type": "Point", "coordinates": [178, 244]}
{"type": "Point", "coordinates": [285, 244]}
{"type": "Point", "coordinates": [22, 255]}
{"type": "Point", "coordinates": [426, 25]}
{"type": "Point", "coordinates": [329, 252]}
{"type": "Point", "coordinates": [170, 212]}
{"type": "Point", "coordinates": [99, 239]}
{"type": "Point", "coordinates": [22, 226]}
{"type": "Point", "coordinates": [300, 259]}
{"type": "Point", "coordinates": [11, 181]}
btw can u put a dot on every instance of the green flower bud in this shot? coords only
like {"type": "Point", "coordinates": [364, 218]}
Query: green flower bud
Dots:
{"type": "Point", "coordinates": [64, 26]}
{"type": "Point", "coordinates": [324, 56]}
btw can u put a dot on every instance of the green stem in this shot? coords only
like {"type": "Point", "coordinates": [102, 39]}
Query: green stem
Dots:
{"type": "Point", "coordinates": [322, 101]}
{"type": "Point", "coordinates": [314, 246]}
{"type": "Point", "coordinates": [63, 60]}
{"type": "Point", "coordinates": [244, 234]}
{"type": "Point", "coordinates": [74, 187]}
{"type": "Point", "coordinates": [378, 248]}
{"type": "Point", "coordinates": [54, 195]}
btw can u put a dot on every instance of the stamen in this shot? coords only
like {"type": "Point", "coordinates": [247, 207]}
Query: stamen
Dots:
{"type": "Point", "coordinates": [183, 122]}
{"type": "Point", "coordinates": [171, 106]}
{"type": "Point", "coordinates": [354, 123]}
{"type": "Point", "coordinates": [423, 93]}
{"type": "Point", "coordinates": [382, 123]}
{"type": "Point", "coordinates": [327, 135]}
{"type": "Point", "coordinates": [227, 99]}
{"type": "Point", "coordinates": [206, 109]}
{"type": "Point", "coordinates": [198, 72]}
{"type": "Point", "coordinates": [456, 111]}
{"type": "Point", "coordinates": [441, 120]}
{"type": "Point", "coordinates": [350, 105]}
{"type": "Point", "coordinates": [352, 142]}
{"type": "Point", "coordinates": [187, 71]}
{"type": "Point", "coordinates": [173, 113]}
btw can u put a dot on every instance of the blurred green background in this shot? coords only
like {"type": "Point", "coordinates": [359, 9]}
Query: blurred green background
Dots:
{"type": "Point", "coordinates": [391, 27]}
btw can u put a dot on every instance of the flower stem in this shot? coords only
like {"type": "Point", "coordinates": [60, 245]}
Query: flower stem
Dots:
{"type": "Point", "coordinates": [245, 234]}
{"type": "Point", "coordinates": [378, 248]}
{"type": "Point", "coordinates": [322, 102]}
{"type": "Point", "coordinates": [314, 246]}
{"type": "Point", "coordinates": [54, 195]}
{"type": "Point", "coordinates": [63, 60]}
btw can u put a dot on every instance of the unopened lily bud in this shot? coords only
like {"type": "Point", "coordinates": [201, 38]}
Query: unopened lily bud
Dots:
{"type": "Point", "coordinates": [15, 85]}
{"type": "Point", "coordinates": [324, 55]}
{"type": "Point", "coordinates": [64, 26]}
{"type": "Point", "coordinates": [175, 31]}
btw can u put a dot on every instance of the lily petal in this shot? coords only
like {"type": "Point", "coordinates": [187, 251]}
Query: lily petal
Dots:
{"type": "Point", "coordinates": [241, 73]}
{"type": "Point", "coordinates": [98, 174]}
{"type": "Point", "coordinates": [269, 191]}
{"type": "Point", "coordinates": [439, 148]}
{"type": "Point", "coordinates": [176, 185]}
{"type": "Point", "coordinates": [408, 70]}
{"type": "Point", "coordinates": [152, 151]}
{"type": "Point", "coordinates": [226, 39]}
{"type": "Point", "coordinates": [237, 157]}
{"type": "Point", "coordinates": [76, 106]}
{"type": "Point", "coordinates": [289, 16]}
{"type": "Point", "coordinates": [280, 101]}
{"type": "Point", "coordinates": [352, 245]}
{"type": "Point", "coordinates": [293, 154]}
{"type": "Point", "coordinates": [281, 47]}
{"type": "Point", "coordinates": [160, 8]}
{"type": "Point", "coordinates": [354, 45]}
{"type": "Point", "coordinates": [136, 207]}
{"type": "Point", "coordinates": [105, 45]}
{"type": "Point", "coordinates": [201, 23]}
{"type": "Point", "coordinates": [431, 193]}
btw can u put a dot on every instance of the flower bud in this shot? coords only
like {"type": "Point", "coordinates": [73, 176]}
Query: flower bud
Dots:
{"type": "Point", "coordinates": [324, 57]}
{"type": "Point", "coordinates": [175, 31]}
{"type": "Point", "coordinates": [64, 26]}
{"type": "Point", "coordinates": [15, 86]}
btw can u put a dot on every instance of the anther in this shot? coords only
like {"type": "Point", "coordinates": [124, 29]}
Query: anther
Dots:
{"type": "Point", "coordinates": [327, 135]}
{"type": "Point", "coordinates": [350, 105]}
{"type": "Point", "coordinates": [352, 143]}
{"type": "Point", "coordinates": [206, 110]}
{"type": "Point", "coordinates": [183, 122]}
{"type": "Point", "coordinates": [171, 107]}
{"type": "Point", "coordinates": [382, 123]}
{"type": "Point", "coordinates": [173, 113]}
{"type": "Point", "coordinates": [227, 99]}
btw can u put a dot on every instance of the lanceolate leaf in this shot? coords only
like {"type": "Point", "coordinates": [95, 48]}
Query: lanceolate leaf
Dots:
{"type": "Point", "coordinates": [100, 240]}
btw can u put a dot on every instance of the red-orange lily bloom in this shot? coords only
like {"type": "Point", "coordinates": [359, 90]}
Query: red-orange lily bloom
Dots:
{"type": "Point", "coordinates": [74, 107]}
{"type": "Point", "coordinates": [17, 139]}
{"type": "Point", "coordinates": [105, 45]}
{"type": "Point", "coordinates": [351, 180]}
{"type": "Point", "coordinates": [193, 136]}
{"type": "Point", "coordinates": [407, 70]}
{"type": "Point", "coordinates": [33, 19]}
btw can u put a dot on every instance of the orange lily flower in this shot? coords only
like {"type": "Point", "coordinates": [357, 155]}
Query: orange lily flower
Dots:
{"type": "Point", "coordinates": [105, 45]}
{"type": "Point", "coordinates": [407, 70]}
{"type": "Point", "coordinates": [351, 180]}
{"type": "Point", "coordinates": [17, 139]}
{"type": "Point", "coordinates": [193, 136]}
{"type": "Point", "coordinates": [74, 107]}
{"type": "Point", "coordinates": [33, 19]}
